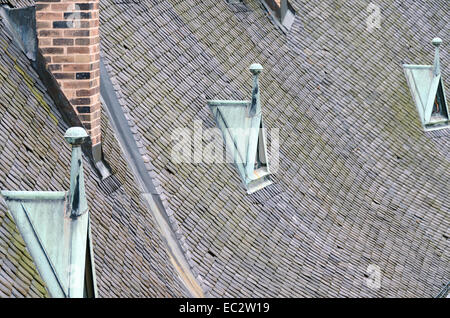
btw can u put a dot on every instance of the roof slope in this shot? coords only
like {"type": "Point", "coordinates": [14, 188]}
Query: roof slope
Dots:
{"type": "Point", "coordinates": [18, 274]}
{"type": "Point", "coordinates": [130, 257]}
{"type": "Point", "coordinates": [359, 182]}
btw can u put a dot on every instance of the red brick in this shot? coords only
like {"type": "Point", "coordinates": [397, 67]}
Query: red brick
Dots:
{"type": "Point", "coordinates": [76, 84]}
{"type": "Point", "coordinates": [78, 50]}
{"type": "Point", "coordinates": [43, 7]}
{"type": "Point", "coordinates": [45, 42]}
{"type": "Point", "coordinates": [62, 7]}
{"type": "Point", "coordinates": [63, 42]}
{"type": "Point", "coordinates": [54, 67]}
{"type": "Point", "coordinates": [61, 76]}
{"type": "Point", "coordinates": [63, 59]}
{"type": "Point", "coordinates": [53, 50]}
{"type": "Point", "coordinates": [83, 41]}
{"type": "Point", "coordinates": [50, 33]}
{"type": "Point", "coordinates": [43, 25]}
{"type": "Point", "coordinates": [76, 67]}
{"type": "Point", "coordinates": [48, 16]}
{"type": "Point", "coordinates": [78, 33]}
{"type": "Point", "coordinates": [87, 92]}
{"type": "Point", "coordinates": [84, 117]}
{"type": "Point", "coordinates": [73, 55]}
{"type": "Point", "coordinates": [83, 58]}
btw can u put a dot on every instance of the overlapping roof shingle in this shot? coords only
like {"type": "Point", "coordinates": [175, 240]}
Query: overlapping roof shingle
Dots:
{"type": "Point", "coordinates": [18, 274]}
{"type": "Point", "coordinates": [359, 182]}
{"type": "Point", "coordinates": [130, 257]}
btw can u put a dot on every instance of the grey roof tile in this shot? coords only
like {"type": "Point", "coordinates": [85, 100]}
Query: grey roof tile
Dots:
{"type": "Point", "coordinates": [359, 182]}
{"type": "Point", "coordinates": [355, 165]}
{"type": "Point", "coordinates": [34, 156]}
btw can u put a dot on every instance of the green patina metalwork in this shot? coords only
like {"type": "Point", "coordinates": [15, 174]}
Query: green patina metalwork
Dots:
{"type": "Point", "coordinates": [55, 225]}
{"type": "Point", "coordinates": [76, 136]}
{"type": "Point", "coordinates": [243, 131]}
{"type": "Point", "coordinates": [34, 195]}
{"type": "Point", "coordinates": [428, 92]}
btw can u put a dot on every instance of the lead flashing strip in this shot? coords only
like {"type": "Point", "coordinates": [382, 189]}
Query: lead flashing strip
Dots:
{"type": "Point", "coordinates": [150, 195]}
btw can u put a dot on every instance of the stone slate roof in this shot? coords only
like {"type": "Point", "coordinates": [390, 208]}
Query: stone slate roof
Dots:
{"type": "Point", "coordinates": [17, 3]}
{"type": "Point", "coordinates": [18, 274]}
{"type": "Point", "coordinates": [130, 257]}
{"type": "Point", "coordinates": [359, 183]}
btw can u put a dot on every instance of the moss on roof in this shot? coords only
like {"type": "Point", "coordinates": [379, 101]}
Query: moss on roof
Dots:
{"type": "Point", "coordinates": [359, 182]}
{"type": "Point", "coordinates": [129, 253]}
{"type": "Point", "coordinates": [18, 274]}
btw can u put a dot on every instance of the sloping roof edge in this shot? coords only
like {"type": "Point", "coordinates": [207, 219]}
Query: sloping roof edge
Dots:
{"type": "Point", "coordinates": [149, 193]}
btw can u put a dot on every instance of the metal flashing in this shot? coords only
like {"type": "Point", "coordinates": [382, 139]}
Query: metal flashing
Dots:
{"type": "Point", "coordinates": [151, 197]}
{"type": "Point", "coordinates": [22, 23]}
{"type": "Point", "coordinates": [90, 282]}
{"type": "Point", "coordinates": [55, 226]}
{"type": "Point", "coordinates": [37, 226]}
{"type": "Point", "coordinates": [444, 292]}
{"type": "Point", "coordinates": [242, 128]}
{"type": "Point", "coordinates": [100, 164]}
{"type": "Point", "coordinates": [281, 12]}
{"type": "Point", "coordinates": [428, 92]}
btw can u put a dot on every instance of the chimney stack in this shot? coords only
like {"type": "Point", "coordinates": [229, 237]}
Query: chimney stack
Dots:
{"type": "Point", "coordinates": [68, 36]}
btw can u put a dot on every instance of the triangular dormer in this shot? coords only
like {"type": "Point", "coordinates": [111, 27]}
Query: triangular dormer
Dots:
{"type": "Point", "coordinates": [440, 109]}
{"type": "Point", "coordinates": [428, 91]}
{"type": "Point", "coordinates": [243, 131]}
{"type": "Point", "coordinates": [55, 228]}
{"type": "Point", "coordinates": [281, 13]}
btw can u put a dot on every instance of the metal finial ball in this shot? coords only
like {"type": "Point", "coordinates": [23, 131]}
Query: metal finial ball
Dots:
{"type": "Point", "coordinates": [436, 41]}
{"type": "Point", "coordinates": [76, 136]}
{"type": "Point", "coordinates": [256, 68]}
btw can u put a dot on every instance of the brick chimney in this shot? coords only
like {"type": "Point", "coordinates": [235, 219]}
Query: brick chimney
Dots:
{"type": "Point", "coordinates": [68, 36]}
